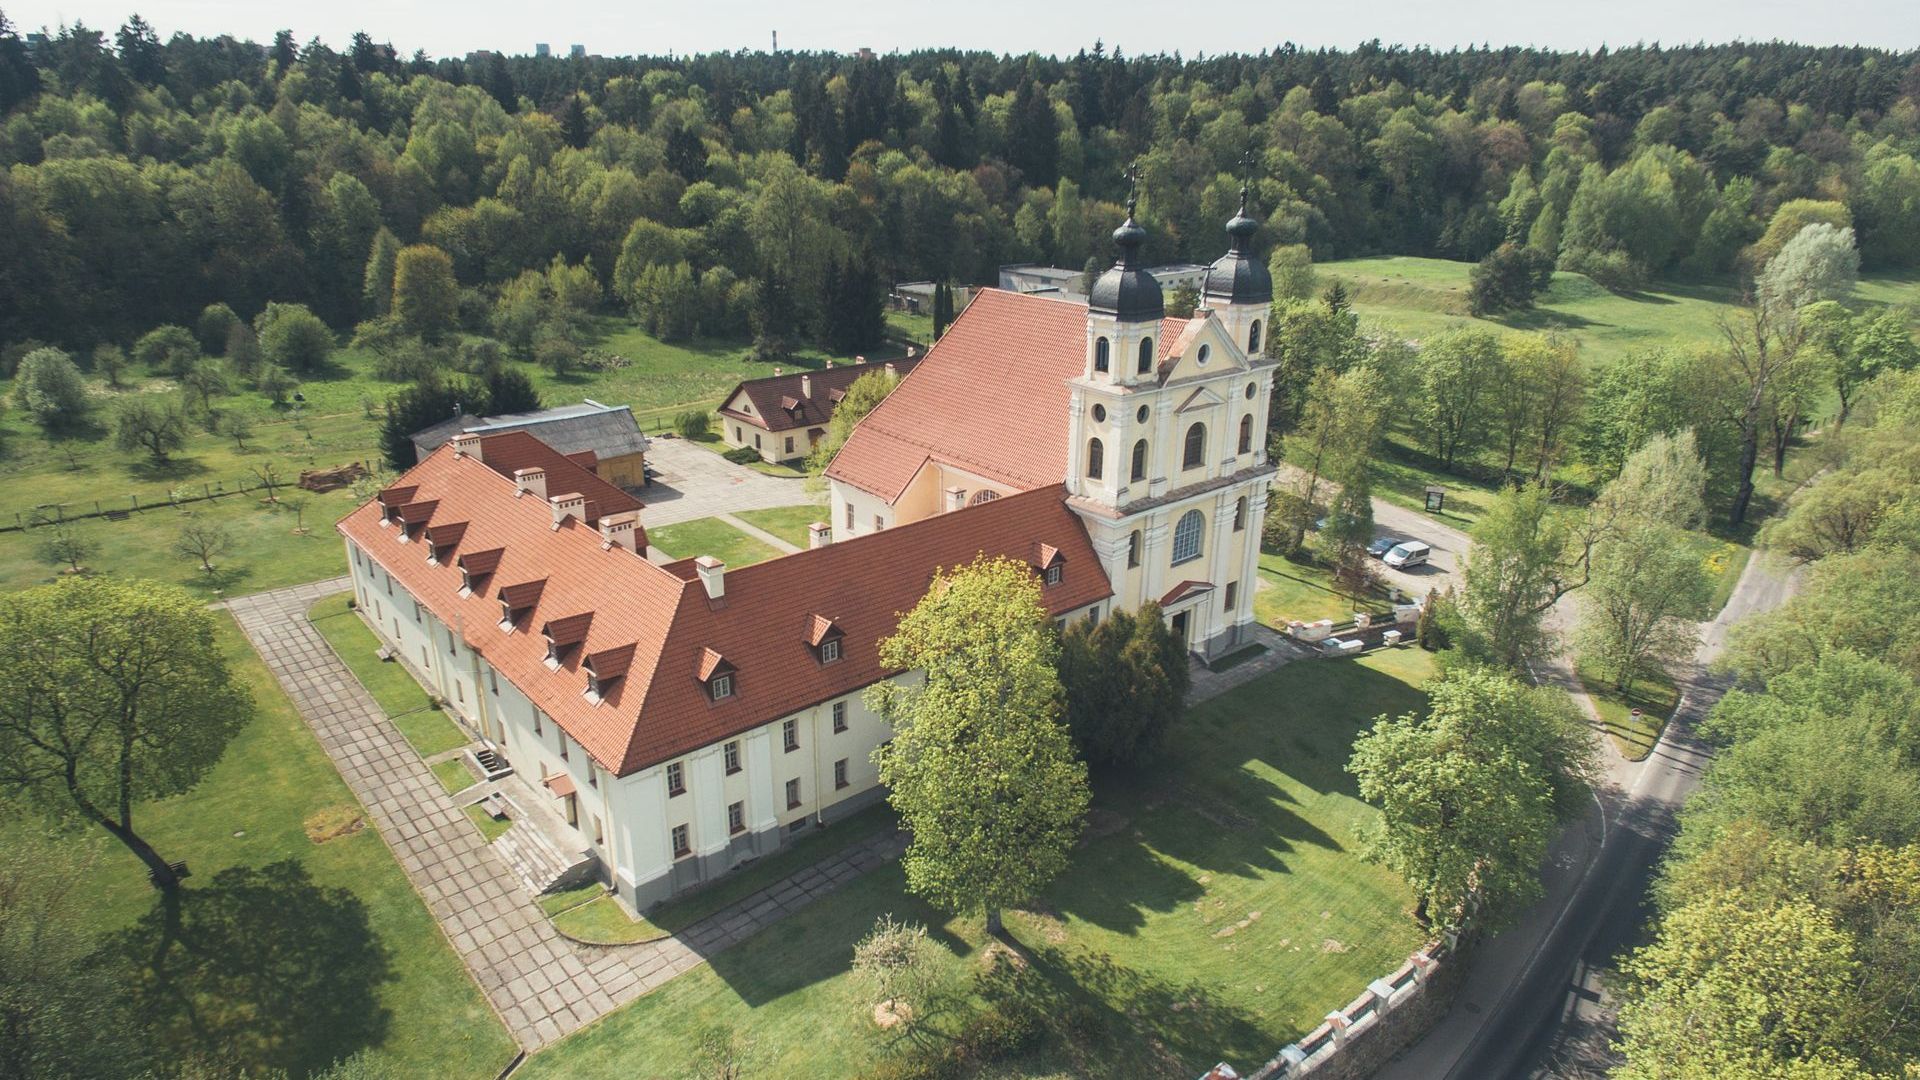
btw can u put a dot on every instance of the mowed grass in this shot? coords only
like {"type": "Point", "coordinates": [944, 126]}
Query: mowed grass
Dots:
{"type": "Point", "coordinates": [1304, 591]}
{"type": "Point", "coordinates": [710, 536]}
{"type": "Point", "coordinates": [319, 950]}
{"type": "Point", "coordinates": [1423, 297]}
{"type": "Point", "coordinates": [1216, 910]}
{"type": "Point", "coordinates": [428, 729]}
{"type": "Point", "coordinates": [453, 775]}
{"type": "Point", "coordinates": [1654, 695]}
{"type": "Point", "coordinates": [789, 523]}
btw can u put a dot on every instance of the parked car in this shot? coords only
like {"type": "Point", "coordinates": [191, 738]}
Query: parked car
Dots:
{"type": "Point", "coordinates": [1407, 555]}
{"type": "Point", "coordinates": [1379, 548]}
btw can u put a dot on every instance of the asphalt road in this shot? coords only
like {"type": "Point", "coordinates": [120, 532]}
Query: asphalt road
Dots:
{"type": "Point", "coordinates": [1554, 1019]}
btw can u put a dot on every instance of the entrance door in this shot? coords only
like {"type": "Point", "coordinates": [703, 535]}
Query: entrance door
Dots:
{"type": "Point", "coordinates": [1180, 628]}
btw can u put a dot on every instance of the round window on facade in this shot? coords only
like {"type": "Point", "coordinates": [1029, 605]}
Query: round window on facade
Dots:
{"type": "Point", "coordinates": [1205, 354]}
{"type": "Point", "coordinates": [1141, 416]}
{"type": "Point", "coordinates": [1099, 414]}
{"type": "Point", "coordinates": [1251, 390]}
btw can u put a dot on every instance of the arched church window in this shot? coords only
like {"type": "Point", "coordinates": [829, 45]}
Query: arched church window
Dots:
{"type": "Point", "coordinates": [1146, 355]}
{"type": "Point", "coordinates": [1196, 449]}
{"type": "Point", "coordinates": [1096, 458]}
{"type": "Point", "coordinates": [1240, 513]}
{"type": "Point", "coordinates": [1140, 460]}
{"type": "Point", "coordinates": [1253, 339]}
{"type": "Point", "coordinates": [1246, 435]}
{"type": "Point", "coordinates": [1187, 536]}
{"type": "Point", "coordinates": [1133, 548]}
{"type": "Point", "coordinates": [1100, 350]}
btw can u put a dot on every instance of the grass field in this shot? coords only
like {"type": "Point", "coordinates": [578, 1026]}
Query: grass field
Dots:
{"type": "Point", "coordinates": [428, 729]}
{"type": "Point", "coordinates": [453, 775]}
{"type": "Point", "coordinates": [1245, 913]}
{"type": "Point", "coordinates": [1305, 591]}
{"type": "Point", "coordinates": [299, 952]}
{"type": "Point", "coordinates": [710, 536]}
{"type": "Point", "coordinates": [489, 828]}
{"type": "Point", "coordinates": [789, 523]}
{"type": "Point", "coordinates": [1422, 297]}
{"type": "Point", "coordinates": [1654, 695]}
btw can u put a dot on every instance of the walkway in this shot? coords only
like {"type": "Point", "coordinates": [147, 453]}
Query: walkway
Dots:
{"type": "Point", "coordinates": [763, 535]}
{"type": "Point", "coordinates": [542, 985]}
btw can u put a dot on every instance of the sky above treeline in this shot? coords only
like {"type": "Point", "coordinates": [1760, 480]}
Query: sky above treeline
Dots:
{"type": "Point", "coordinates": [1061, 27]}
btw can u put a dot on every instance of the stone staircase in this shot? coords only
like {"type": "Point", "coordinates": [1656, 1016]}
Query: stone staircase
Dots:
{"type": "Point", "coordinates": [539, 865]}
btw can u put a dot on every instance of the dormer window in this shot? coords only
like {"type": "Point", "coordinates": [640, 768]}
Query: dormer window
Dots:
{"type": "Point", "coordinates": [1055, 574]}
{"type": "Point", "coordinates": [716, 673]}
{"type": "Point", "coordinates": [720, 687]}
{"type": "Point", "coordinates": [564, 636]}
{"type": "Point", "coordinates": [824, 638]}
{"type": "Point", "coordinates": [604, 669]}
{"type": "Point", "coordinates": [516, 601]}
{"type": "Point", "coordinates": [830, 650]}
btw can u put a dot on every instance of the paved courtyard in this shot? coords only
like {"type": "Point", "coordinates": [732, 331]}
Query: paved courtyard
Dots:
{"type": "Point", "coordinates": [693, 482]}
{"type": "Point", "coordinates": [542, 985]}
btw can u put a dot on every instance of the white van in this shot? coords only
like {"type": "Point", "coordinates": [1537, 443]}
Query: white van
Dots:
{"type": "Point", "coordinates": [1407, 555]}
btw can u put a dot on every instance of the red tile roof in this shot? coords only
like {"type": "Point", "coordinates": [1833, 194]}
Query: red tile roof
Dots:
{"type": "Point", "coordinates": [782, 403]}
{"type": "Point", "coordinates": [656, 707]}
{"type": "Point", "coordinates": [990, 397]}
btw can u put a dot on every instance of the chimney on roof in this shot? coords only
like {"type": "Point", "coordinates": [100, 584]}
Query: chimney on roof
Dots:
{"type": "Point", "coordinates": [806, 386]}
{"type": "Point", "coordinates": [713, 576]}
{"type": "Point", "coordinates": [571, 505]}
{"type": "Point", "coordinates": [819, 535]}
{"type": "Point", "coordinates": [913, 351]}
{"type": "Point", "coordinates": [531, 482]}
{"type": "Point", "coordinates": [778, 371]}
{"type": "Point", "coordinates": [956, 498]}
{"type": "Point", "coordinates": [829, 365]}
{"type": "Point", "coordinates": [467, 444]}
{"type": "Point", "coordinates": [892, 372]}
{"type": "Point", "coordinates": [859, 359]}
{"type": "Point", "coordinates": [620, 530]}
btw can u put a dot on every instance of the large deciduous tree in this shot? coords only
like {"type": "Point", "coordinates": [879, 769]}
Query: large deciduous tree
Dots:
{"type": "Point", "coordinates": [113, 693]}
{"type": "Point", "coordinates": [980, 767]}
{"type": "Point", "coordinates": [426, 298]}
{"type": "Point", "coordinates": [49, 387]}
{"type": "Point", "coordinates": [1648, 592]}
{"type": "Point", "coordinates": [1471, 794]}
{"type": "Point", "coordinates": [1126, 680]}
{"type": "Point", "coordinates": [1527, 554]}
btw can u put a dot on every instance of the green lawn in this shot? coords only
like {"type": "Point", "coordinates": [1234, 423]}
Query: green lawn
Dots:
{"type": "Point", "coordinates": [489, 828]}
{"type": "Point", "coordinates": [1401, 474]}
{"type": "Point", "coordinates": [789, 523]}
{"type": "Point", "coordinates": [1304, 591]}
{"type": "Point", "coordinates": [1216, 910]}
{"type": "Point", "coordinates": [714, 443]}
{"type": "Point", "coordinates": [454, 775]}
{"type": "Point", "coordinates": [602, 921]}
{"type": "Point", "coordinates": [299, 952]}
{"type": "Point", "coordinates": [710, 536]}
{"type": "Point", "coordinates": [1422, 297]}
{"type": "Point", "coordinates": [1654, 695]}
{"type": "Point", "coordinates": [391, 684]}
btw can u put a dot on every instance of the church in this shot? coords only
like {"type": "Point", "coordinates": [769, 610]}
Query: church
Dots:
{"type": "Point", "coordinates": [676, 719]}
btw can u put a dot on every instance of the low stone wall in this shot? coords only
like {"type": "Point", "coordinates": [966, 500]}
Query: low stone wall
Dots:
{"type": "Point", "coordinates": [1387, 1017]}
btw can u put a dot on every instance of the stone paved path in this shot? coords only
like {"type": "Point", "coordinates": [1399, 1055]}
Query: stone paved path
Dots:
{"type": "Point", "coordinates": [542, 985]}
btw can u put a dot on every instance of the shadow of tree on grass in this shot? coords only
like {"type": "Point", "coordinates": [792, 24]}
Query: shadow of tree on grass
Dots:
{"type": "Point", "coordinates": [261, 969]}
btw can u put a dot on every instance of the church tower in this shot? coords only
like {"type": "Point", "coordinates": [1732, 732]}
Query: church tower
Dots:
{"type": "Point", "coordinates": [1238, 288]}
{"type": "Point", "coordinates": [1124, 310]}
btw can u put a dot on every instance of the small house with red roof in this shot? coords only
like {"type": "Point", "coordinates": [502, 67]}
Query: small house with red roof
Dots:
{"type": "Point", "coordinates": [784, 414]}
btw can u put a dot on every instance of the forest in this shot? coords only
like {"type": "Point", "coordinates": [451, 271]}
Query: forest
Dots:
{"type": "Point", "coordinates": [773, 195]}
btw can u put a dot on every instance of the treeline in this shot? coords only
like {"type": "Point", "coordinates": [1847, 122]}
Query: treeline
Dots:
{"type": "Point", "coordinates": [146, 179]}
{"type": "Point", "coordinates": [1787, 942]}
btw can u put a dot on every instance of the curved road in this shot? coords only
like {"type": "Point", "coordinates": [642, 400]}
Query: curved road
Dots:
{"type": "Point", "coordinates": [1533, 1005]}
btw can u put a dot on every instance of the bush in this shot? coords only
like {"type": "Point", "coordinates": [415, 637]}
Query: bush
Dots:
{"type": "Point", "coordinates": [293, 337]}
{"type": "Point", "coordinates": [171, 349]}
{"type": "Point", "coordinates": [742, 455]}
{"type": "Point", "coordinates": [51, 390]}
{"type": "Point", "coordinates": [693, 424]}
{"type": "Point", "coordinates": [1509, 278]}
{"type": "Point", "coordinates": [216, 322]}
{"type": "Point", "coordinates": [999, 1034]}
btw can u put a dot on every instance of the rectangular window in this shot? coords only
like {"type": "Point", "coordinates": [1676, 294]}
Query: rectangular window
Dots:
{"type": "Point", "coordinates": [839, 716]}
{"type": "Point", "coordinates": [736, 818]}
{"type": "Point", "coordinates": [1133, 551]}
{"type": "Point", "coordinates": [426, 657]}
{"type": "Point", "coordinates": [731, 752]}
{"type": "Point", "coordinates": [1233, 593]}
{"type": "Point", "coordinates": [840, 774]}
{"type": "Point", "coordinates": [389, 584]}
{"type": "Point", "coordinates": [756, 440]}
{"type": "Point", "coordinates": [879, 523]}
{"type": "Point", "coordinates": [593, 775]}
{"type": "Point", "coordinates": [493, 680]}
{"type": "Point", "coordinates": [682, 844]}
{"type": "Point", "coordinates": [676, 779]}
{"type": "Point", "coordinates": [789, 444]}
{"type": "Point", "coordinates": [721, 687]}
{"type": "Point", "coordinates": [793, 794]}
{"type": "Point", "coordinates": [453, 648]}
{"type": "Point", "coordinates": [796, 826]}
{"type": "Point", "coordinates": [537, 715]}
{"type": "Point", "coordinates": [599, 834]}
{"type": "Point", "coordinates": [460, 691]}
{"type": "Point", "coordinates": [563, 745]}
{"type": "Point", "coordinates": [790, 735]}
{"type": "Point", "coordinates": [416, 611]}
{"type": "Point", "coordinates": [849, 518]}
{"type": "Point", "coordinates": [830, 650]}
{"type": "Point", "coordinates": [1055, 574]}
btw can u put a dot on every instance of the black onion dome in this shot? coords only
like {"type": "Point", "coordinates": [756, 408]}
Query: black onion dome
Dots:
{"type": "Point", "coordinates": [1127, 291]}
{"type": "Point", "coordinates": [1239, 277]}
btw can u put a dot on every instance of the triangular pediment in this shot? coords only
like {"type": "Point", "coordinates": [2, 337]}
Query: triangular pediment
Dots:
{"type": "Point", "coordinates": [1203, 397]}
{"type": "Point", "coordinates": [1203, 338]}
